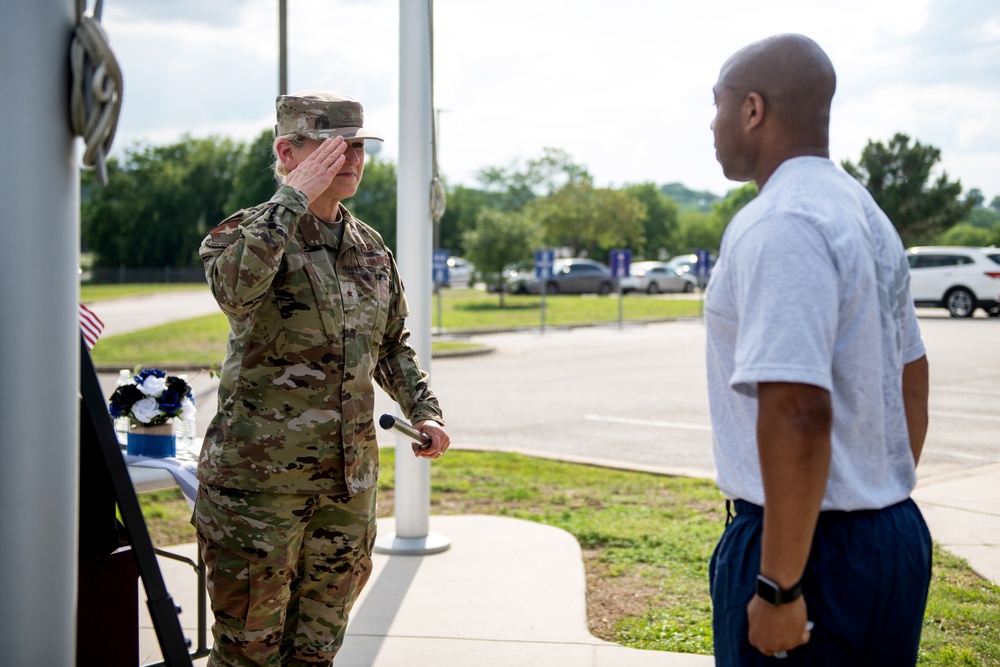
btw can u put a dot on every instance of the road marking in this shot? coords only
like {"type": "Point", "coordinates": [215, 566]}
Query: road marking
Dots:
{"type": "Point", "coordinates": [967, 390]}
{"type": "Point", "coordinates": [962, 455]}
{"type": "Point", "coordinates": [963, 415]}
{"type": "Point", "coordinates": [648, 422]}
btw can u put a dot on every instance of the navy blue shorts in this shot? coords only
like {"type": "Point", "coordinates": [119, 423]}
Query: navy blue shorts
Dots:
{"type": "Point", "coordinates": [865, 588]}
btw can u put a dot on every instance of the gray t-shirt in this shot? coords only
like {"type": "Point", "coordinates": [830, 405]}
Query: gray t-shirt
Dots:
{"type": "Point", "coordinates": [812, 287]}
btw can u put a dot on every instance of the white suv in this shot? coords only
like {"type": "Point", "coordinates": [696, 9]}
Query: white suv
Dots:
{"type": "Point", "coordinates": [959, 279]}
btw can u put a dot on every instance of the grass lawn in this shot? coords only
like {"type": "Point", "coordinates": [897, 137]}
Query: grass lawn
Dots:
{"type": "Point", "coordinates": [469, 309]}
{"type": "Point", "coordinates": [476, 310]}
{"type": "Point", "coordinates": [201, 342]}
{"type": "Point", "coordinates": [646, 541]}
{"type": "Point", "coordinates": [198, 343]}
{"type": "Point", "coordinates": [92, 293]}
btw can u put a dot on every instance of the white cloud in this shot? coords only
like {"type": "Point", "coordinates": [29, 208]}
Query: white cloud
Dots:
{"type": "Point", "coordinates": [624, 89]}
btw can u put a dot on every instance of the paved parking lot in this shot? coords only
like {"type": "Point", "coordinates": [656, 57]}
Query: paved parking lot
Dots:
{"type": "Point", "coordinates": [638, 394]}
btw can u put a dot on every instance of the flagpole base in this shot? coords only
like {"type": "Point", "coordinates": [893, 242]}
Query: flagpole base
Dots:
{"type": "Point", "coordinates": [392, 545]}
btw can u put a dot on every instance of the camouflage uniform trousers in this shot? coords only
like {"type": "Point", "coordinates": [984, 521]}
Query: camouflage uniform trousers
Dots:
{"type": "Point", "coordinates": [283, 571]}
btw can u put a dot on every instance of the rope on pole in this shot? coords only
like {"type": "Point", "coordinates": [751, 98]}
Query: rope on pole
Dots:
{"type": "Point", "coordinates": [95, 92]}
{"type": "Point", "coordinates": [438, 197]}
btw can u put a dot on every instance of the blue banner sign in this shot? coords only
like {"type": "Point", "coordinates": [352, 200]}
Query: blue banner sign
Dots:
{"type": "Point", "coordinates": [544, 259]}
{"type": "Point", "coordinates": [620, 260]}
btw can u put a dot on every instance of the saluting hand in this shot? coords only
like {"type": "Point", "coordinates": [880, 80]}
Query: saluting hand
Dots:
{"type": "Point", "coordinates": [314, 174]}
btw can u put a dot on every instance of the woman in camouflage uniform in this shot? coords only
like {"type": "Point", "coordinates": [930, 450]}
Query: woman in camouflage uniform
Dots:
{"type": "Point", "coordinates": [286, 506]}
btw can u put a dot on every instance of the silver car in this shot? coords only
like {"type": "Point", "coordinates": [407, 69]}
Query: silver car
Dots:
{"type": "Point", "coordinates": [655, 278]}
{"type": "Point", "coordinates": [461, 272]}
{"type": "Point", "coordinates": [688, 264]}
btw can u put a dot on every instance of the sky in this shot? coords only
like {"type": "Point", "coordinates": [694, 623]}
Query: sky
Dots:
{"type": "Point", "coordinates": [623, 87]}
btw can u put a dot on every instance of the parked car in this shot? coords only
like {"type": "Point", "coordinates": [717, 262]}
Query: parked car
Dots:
{"type": "Point", "coordinates": [460, 272]}
{"type": "Point", "coordinates": [513, 277]}
{"type": "Point", "coordinates": [656, 277]}
{"type": "Point", "coordinates": [688, 264]}
{"type": "Point", "coordinates": [572, 276]}
{"type": "Point", "coordinates": [960, 279]}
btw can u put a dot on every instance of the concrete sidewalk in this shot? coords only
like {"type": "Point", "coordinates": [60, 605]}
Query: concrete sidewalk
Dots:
{"type": "Point", "coordinates": [513, 592]}
{"type": "Point", "coordinates": [507, 592]}
{"type": "Point", "coordinates": [964, 516]}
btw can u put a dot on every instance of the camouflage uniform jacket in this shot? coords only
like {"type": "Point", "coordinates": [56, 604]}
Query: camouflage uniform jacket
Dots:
{"type": "Point", "coordinates": [313, 319]}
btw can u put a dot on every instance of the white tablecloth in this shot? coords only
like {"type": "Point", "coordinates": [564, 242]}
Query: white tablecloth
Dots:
{"type": "Point", "coordinates": [182, 471]}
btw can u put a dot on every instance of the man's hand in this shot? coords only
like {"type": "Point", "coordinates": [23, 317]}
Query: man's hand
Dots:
{"type": "Point", "coordinates": [794, 422]}
{"type": "Point", "coordinates": [314, 174]}
{"type": "Point", "coordinates": [774, 629]}
{"type": "Point", "coordinates": [439, 440]}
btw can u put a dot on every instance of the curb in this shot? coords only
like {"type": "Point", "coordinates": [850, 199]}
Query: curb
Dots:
{"type": "Point", "coordinates": [181, 368]}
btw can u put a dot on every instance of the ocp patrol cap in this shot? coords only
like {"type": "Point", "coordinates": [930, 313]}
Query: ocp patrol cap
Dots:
{"type": "Point", "coordinates": [321, 114]}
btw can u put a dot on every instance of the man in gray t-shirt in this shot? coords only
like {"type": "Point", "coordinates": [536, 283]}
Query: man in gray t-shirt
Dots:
{"type": "Point", "coordinates": [817, 384]}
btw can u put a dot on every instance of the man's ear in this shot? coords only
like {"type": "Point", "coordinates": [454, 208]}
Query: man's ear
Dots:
{"type": "Point", "coordinates": [283, 148]}
{"type": "Point", "coordinates": [753, 111]}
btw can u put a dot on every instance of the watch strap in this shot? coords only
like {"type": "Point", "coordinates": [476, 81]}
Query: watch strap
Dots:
{"type": "Point", "coordinates": [775, 595]}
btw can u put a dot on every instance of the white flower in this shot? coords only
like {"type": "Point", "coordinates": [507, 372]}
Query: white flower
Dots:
{"type": "Point", "coordinates": [153, 386]}
{"type": "Point", "coordinates": [187, 409]}
{"type": "Point", "coordinates": [146, 409]}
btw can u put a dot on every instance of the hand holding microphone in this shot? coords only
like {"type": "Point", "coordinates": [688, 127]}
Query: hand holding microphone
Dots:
{"type": "Point", "coordinates": [428, 437]}
{"type": "Point", "coordinates": [390, 423]}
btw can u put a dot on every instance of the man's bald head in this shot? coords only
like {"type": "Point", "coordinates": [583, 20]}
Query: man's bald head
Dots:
{"type": "Point", "coordinates": [774, 101]}
{"type": "Point", "coordinates": [793, 75]}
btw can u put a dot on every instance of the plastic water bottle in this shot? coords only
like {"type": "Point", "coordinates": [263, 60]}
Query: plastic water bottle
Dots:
{"type": "Point", "coordinates": [184, 429]}
{"type": "Point", "coordinates": [122, 423]}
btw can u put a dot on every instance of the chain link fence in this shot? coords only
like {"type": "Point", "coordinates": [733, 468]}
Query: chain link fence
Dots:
{"type": "Point", "coordinates": [105, 275]}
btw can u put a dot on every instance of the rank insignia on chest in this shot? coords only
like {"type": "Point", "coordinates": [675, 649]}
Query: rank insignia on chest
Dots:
{"type": "Point", "coordinates": [349, 294]}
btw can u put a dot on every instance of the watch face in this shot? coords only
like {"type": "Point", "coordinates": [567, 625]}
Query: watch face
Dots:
{"type": "Point", "coordinates": [767, 590]}
{"type": "Point", "coordinates": [774, 594]}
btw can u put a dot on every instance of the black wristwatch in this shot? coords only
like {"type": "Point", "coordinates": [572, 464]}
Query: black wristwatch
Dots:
{"type": "Point", "coordinates": [775, 595]}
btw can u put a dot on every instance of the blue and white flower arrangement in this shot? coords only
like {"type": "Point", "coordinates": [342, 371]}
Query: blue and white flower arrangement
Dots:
{"type": "Point", "coordinates": [153, 398]}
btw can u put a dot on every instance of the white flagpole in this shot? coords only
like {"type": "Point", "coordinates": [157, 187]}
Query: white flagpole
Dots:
{"type": "Point", "coordinates": [414, 248]}
{"type": "Point", "coordinates": [40, 334]}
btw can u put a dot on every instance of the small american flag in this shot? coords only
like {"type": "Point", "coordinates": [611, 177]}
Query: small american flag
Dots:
{"type": "Point", "coordinates": [90, 325]}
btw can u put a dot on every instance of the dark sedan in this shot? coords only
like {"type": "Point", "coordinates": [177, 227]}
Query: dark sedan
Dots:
{"type": "Point", "coordinates": [574, 276]}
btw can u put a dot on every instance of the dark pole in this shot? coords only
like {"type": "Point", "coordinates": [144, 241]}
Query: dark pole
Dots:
{"type": "Point", "coordinates": [282, 47]}
{"type": "Point", "coordinates": [437, 141]}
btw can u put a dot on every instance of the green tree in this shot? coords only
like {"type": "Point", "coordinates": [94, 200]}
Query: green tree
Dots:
{"type": "Point", "coordinates": [159, 203]}
{"type": "Point", "coordinates": [975, 198]}
{"type": "Point", "coordinates": [965, 234]}
{"type": "Point", "coordinates": [724, 209]}
{"type": "Point", "coordinates": [980, 228]}
{"type": "Point", "coordinates": [700, 200]}
{"type": "Point", "coordinates": [512, 188]}
{"type": "Point", "coordinates": [591, 220]}
{"type": "Point", "coordinates": [898, 176]}
{"type": "Point", "coordinates": [460, 215]}
{"type": "Point", "coordinates": [375, 201]}
{"type": "Point", "coordinates": [253, 177]}
{"type": "Point", "coordinates": [661, 222]}
{"type": "Point", "coordinates": [499, 238]}
{"type": "Point", "coordinates": [700, 230]}
{"type": "Point", "coordinates": [984, 218]}
{"type": "Point", "coordinates": [695, 231]}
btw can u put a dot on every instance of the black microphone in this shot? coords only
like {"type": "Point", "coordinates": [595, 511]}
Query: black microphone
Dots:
{"type": "Point", "coordinates": [390, 423]}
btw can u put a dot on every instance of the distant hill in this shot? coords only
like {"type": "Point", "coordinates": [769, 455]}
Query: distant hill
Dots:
{"type": "Point", "coordinates": [689, 199]}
